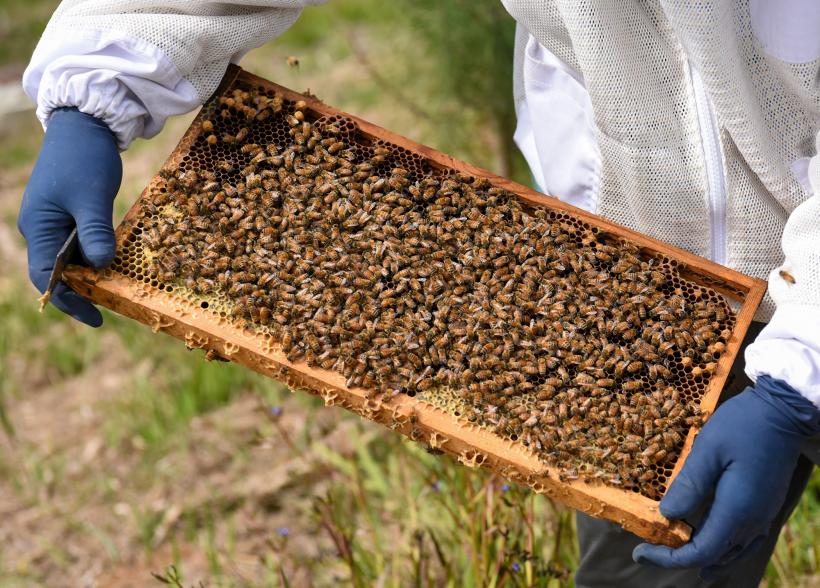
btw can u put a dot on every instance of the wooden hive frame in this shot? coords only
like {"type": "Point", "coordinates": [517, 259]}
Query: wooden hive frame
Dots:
{"type": "Point", "coordinates": [471, 445]}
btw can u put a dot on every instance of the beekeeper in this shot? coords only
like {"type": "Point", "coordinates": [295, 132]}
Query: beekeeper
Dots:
{"type": "Point", "coordinates": [693, 122]}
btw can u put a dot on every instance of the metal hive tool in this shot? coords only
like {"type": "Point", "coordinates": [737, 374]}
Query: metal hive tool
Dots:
{"type": "Point", "coordinates": [436, 417]}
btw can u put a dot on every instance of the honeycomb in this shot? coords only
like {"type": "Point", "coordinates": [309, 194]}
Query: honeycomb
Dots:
{"type": "Point", "coordinates": [136, 261]}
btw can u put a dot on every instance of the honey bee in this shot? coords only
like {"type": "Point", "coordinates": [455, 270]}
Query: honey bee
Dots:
{"type": "Point", "coordinates": [634, 366]}
{"type": "Point", "coordinates": [671, 439]}
{"type": "Point", "coordinates": [787, 277]}
{"type": "Point", "coordinates": [717, 348]}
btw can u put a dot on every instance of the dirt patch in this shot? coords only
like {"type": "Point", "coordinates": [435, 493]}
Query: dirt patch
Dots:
{"type": "Point", "coordinates": [234, 498]}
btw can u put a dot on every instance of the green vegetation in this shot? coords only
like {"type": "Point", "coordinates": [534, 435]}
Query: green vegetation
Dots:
{"type": "Point", "coordinates": [444, 522]}
{"type": "Point", "coordinates": [471, 44]}
{"type": "Point", "coordinates": [21, 24]}
{"type": "Point", "coordinates": [124, 455]}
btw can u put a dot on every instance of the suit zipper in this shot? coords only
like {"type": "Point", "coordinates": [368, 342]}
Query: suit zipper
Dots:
{"type": "Point", "coordinates": [716, 182]}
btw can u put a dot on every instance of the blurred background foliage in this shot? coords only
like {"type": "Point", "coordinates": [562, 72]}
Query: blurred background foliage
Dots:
{"type": "Point", "coordinates": [126, 460]}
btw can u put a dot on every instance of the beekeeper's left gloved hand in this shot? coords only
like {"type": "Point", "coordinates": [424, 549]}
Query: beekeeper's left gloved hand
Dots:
{"type": "Point", "coordinates": [745, 455]}
{"type": "Point", "coordinates": [74, 182]}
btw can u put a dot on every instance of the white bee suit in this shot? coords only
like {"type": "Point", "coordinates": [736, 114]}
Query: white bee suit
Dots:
{"type": "Point", "coordinates": [695, 123]}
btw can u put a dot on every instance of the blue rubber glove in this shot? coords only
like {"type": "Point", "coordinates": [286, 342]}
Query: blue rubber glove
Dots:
{"type": "Point", "coordinates": [75, 180]}
{"type": "Point", "coordinates": [744, 456]}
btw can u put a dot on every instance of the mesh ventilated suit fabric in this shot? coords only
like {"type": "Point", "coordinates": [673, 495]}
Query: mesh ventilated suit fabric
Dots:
{"type": "Point", "coordinates": [634, 58]}
{"type": "Point", "coordinates": [199, 37]}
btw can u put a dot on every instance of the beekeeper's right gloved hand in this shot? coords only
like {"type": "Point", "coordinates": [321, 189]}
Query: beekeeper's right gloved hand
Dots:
{"type": "Point", "coordinates": [74, 182]}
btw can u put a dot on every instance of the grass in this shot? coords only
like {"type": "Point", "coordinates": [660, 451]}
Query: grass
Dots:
{"type": "Point", "coordinates": [123, 454]}
{"type": "Point", "coordinates": [64, 350]}
{"type": "Point", "coordinates": [175, 389]}
{"type": "Point", "coordinates": [798, 551]}
{"type": "Point", "coordinates": [21, 24]}
{"type": "Point", "coordinates": [446, 523]}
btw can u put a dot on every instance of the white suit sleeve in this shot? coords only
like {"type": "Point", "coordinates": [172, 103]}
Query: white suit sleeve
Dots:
{"type": "Point", "coordinates": [133, 63]}
{"type": "Point", "coordinates": [788, 348]}
{"type": "Point", "coordinates": [556, 128]}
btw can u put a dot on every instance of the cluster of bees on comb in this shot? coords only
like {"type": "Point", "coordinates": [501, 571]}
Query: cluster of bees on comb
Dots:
{"type": "Point", "coordinates": [429, 282]}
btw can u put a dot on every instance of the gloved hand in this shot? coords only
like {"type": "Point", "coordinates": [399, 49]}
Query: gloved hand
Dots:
{"type": "Point", "coordinates": [75, 180]}
{"type": "Point", "coordinates": [745, 454]}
